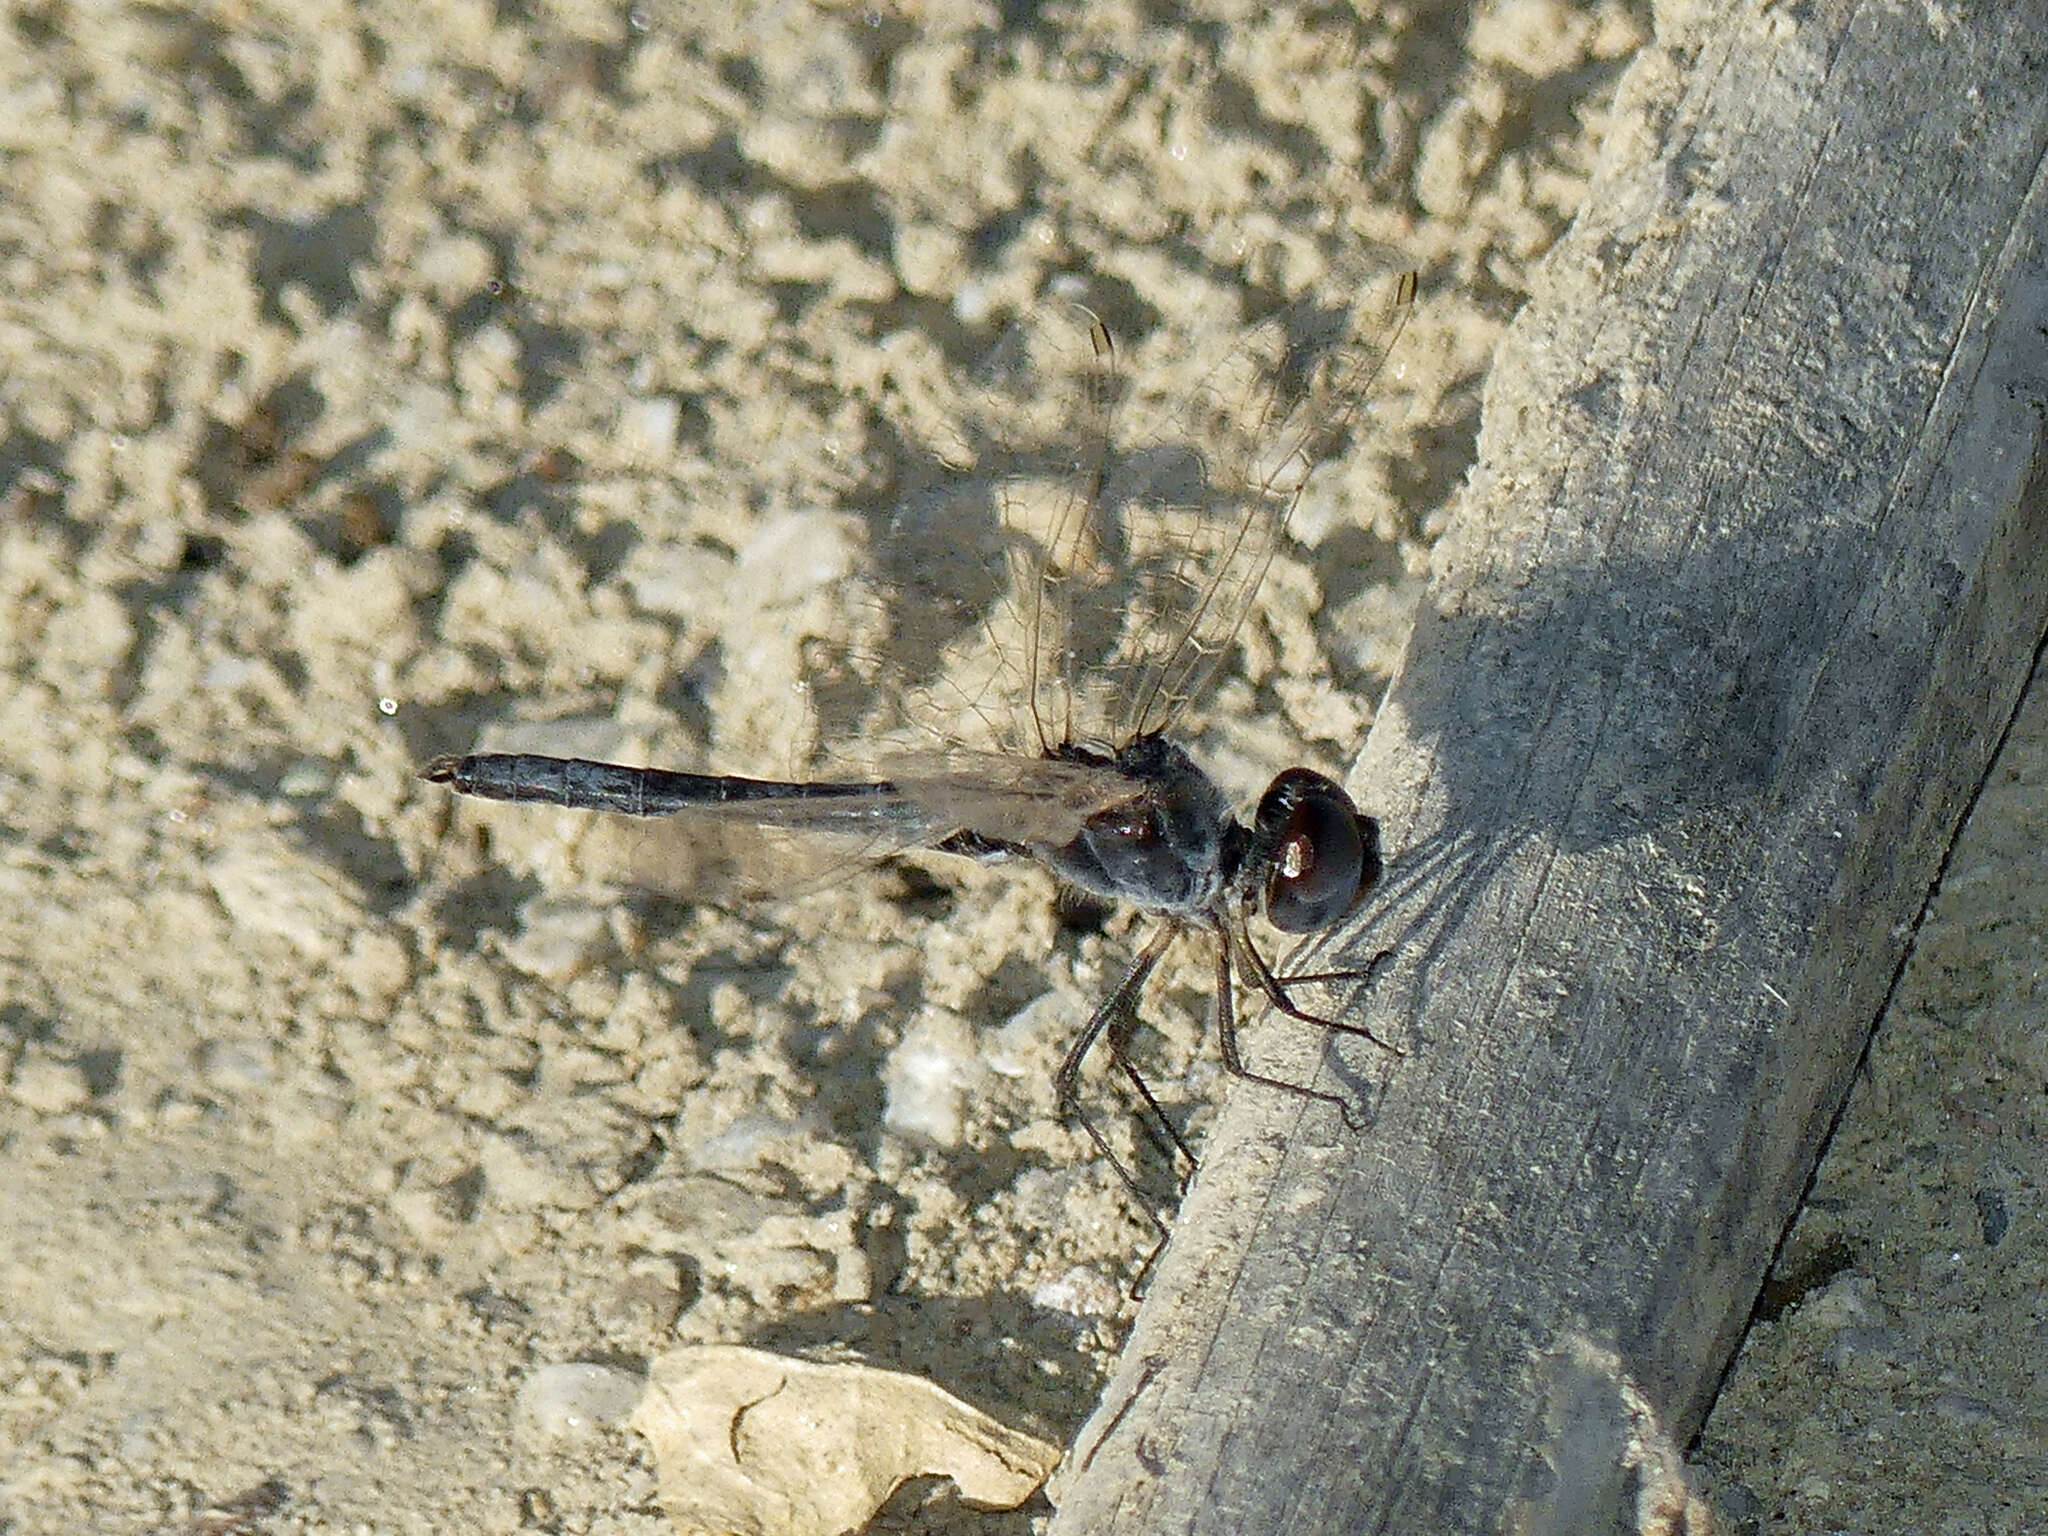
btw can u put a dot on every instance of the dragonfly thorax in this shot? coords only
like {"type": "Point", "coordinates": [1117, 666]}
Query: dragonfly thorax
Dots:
{"type": "Point", "coordinates": [1172, 847]}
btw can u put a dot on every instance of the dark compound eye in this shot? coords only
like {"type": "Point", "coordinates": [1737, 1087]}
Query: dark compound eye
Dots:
{"type": "Point", "coordinates": [1322, 855]}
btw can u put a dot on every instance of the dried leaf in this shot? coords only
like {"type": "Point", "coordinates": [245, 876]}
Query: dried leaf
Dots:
{"type": "Point", "coordinates": [748, 1443]}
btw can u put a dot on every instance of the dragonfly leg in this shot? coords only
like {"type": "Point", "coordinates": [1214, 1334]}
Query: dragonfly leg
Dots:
{"type": "Point", "coordinates": [1226, 1025]}
{"type": "Point", "coordinates": [1275, 988]}
{"type": "Point", "coordinates": [1114, 1022]}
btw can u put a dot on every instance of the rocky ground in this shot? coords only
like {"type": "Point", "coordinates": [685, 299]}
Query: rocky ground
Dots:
{"type": "Point", "coordinates": [376, 379]}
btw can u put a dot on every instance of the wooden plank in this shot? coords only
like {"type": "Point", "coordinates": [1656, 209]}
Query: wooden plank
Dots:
{"type": "Point", "coordinates": [1746, 587]}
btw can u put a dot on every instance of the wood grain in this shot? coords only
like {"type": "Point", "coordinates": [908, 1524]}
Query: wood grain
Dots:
{"type": "Point", "coordinates": [1746, 586]}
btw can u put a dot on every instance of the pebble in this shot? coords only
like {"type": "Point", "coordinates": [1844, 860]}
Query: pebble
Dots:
{"type": "Point", "coordinates": [929, 1078]}
{"type": "Point", "coordinates": [49, 1086]}
{"type": "Point", "coordinates": [574, 1400]}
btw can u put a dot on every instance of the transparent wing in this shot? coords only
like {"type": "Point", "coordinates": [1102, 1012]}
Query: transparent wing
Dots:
{"type": "Point", "coordinates": [922, 800]}
{"type": "Point", "coordinates": [785, 847]}
{"type": "Point", "coordinates": [1254, 432]}
{"type": "Point", "coordinates": [1112, 559]}
{"type": "Point", "coordinates": [1034, 802]}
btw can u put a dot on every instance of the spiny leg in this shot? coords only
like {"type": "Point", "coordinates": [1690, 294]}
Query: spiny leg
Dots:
{"type": "Point", "coordinates": [1275, 987]}
{"type": "Point", "coordinates": [1362, 974]}
{"type": "Point", "coordinates": [1227, 1037]}
{"type": "Point", "coordinates": [1359, 973]}
{"type": "Point", "coordinates": [1153, 1117]}
{"type": "Point", "coordinates": [1118, 1016]}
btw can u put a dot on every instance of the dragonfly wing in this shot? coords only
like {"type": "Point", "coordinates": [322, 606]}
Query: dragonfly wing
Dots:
{"type": "Point", "coordinates": [1134, 535]}
{"type": "Point", "coordinates": [1205, 507]}
{"type": "Point", "coordinates": [1032, 803]}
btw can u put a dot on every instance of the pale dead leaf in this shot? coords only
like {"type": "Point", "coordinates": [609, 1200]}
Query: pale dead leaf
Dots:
{"type": "Point", "coordinates": [748, 1443]}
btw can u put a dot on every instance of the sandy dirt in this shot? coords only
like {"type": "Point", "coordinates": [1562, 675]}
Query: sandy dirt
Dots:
{"type": "Point", "coordinates": [380, 379]}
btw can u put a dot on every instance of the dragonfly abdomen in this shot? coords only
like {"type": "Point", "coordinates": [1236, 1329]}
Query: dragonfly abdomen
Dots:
{"type": "Point", "coordinates": [580, 784]}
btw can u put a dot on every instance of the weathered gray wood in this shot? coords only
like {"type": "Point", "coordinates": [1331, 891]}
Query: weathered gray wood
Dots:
{"type": "Point", "coordinates": [1747, 585]}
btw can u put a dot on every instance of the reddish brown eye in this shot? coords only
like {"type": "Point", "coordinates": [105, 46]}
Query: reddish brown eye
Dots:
{"type": "Point", "coordinates": [1321, 854]}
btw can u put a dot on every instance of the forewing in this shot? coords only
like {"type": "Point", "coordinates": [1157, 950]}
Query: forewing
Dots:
{"type": "Point", "coordinates": [1205, 513]}
{"type": "Point", "coordinates": [1030, 802]}
{"type": "Point", "coordinates": [1135, 532]}
{"type": "Point", "coordinates": [766, 848]}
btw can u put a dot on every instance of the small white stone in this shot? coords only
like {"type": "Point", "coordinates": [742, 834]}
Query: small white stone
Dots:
{"type": "Point", "coordinates": [575, 1399]}
{"type": "Point", "coordinates": [557, 939]}
{"type": "Point", "coordinates": [270, 887]}
{"type": "Point", "coordinates": [1080, 1292]}
{"type": "Point", "coordinates": [929, 258]}
{"type": "Point", "coordinates": [653, 426]}
{"type": "Point", "coordinates": [797, 553]}
{"type": "Point", "coordinates": [238, 1065]}
{"type": "Point", "coordinates": [929, 1076]}
{"type": "Point", "coordinates": [49, 1086]}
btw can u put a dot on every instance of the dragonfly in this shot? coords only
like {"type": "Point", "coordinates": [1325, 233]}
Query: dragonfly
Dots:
{"type": "Point", "coordinates": [1127, 590]}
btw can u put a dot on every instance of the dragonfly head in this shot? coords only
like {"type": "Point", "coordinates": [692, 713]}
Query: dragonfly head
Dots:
{"type": "Point", "coordinates": [1317, 853]}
